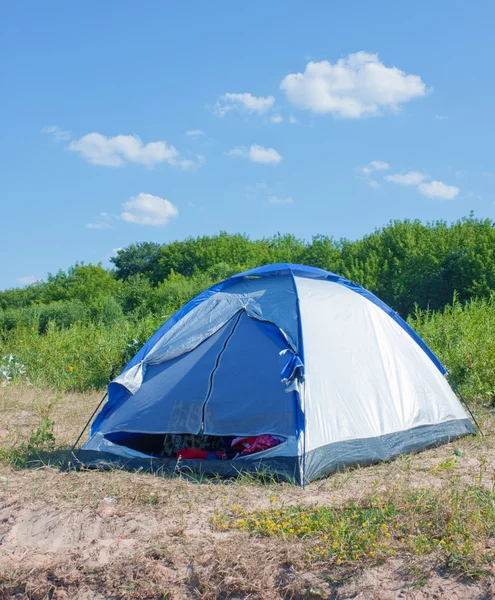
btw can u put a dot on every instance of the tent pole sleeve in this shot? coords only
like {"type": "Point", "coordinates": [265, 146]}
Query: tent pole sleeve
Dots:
{"type": "Point", "coordinates": [302, 400]}
{"type": "Point", "coordinates": [458, 392]}
{"type": "Point", "coordinates": [89, 421]}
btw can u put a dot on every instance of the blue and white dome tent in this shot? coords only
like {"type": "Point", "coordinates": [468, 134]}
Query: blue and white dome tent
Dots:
{"type": "Point", "coordinates": [287, 350]}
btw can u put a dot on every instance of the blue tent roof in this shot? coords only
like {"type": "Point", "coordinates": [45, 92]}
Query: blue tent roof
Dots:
{"type": "Point", "coordinates": [288, 269]}
{"type": "Point", "coordinates": [316, 273]}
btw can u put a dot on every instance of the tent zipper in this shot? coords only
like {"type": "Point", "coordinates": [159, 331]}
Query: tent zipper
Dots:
{"type": "Point", "coordinates": [212, 374]}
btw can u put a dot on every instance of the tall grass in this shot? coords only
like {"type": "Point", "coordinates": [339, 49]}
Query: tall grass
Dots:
{"type": "Point", "coordinates": [87, 354]}
{"type": "Point", "coordinates": [463, 337]}
{"type": "Point", "coordinates": [80, 357]}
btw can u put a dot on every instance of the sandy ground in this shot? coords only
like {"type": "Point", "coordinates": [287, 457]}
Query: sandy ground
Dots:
{"type": "Point", "coordinates": [87, 535]}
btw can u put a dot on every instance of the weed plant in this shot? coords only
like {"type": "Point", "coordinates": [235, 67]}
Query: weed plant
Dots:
{"type": "Point", "coordinates": [454, 522]}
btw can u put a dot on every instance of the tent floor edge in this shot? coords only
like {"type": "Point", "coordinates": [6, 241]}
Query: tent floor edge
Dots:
{"type": "Point", "coordinates": [320, 462]}
{"type": "Point", "coordinates": [280, 468]}
{"type": "Point", "coordinates": [337, 456]}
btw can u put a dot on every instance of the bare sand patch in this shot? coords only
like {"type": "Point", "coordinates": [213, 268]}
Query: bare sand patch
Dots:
{"type": "Point", "coordinates": [116, 534]}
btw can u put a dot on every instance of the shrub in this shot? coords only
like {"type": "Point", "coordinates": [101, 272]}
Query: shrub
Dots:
{"type": "Point", "coordinates": [15, 317]}
{"type": "Point", "coordinates": [105, 310]}
{"type": "Point", "coordinates": [62, 314]}
{"type": "Point", "coordinates": [135, 295]}
{"type": "Point", "coordinates": [175, 291]}
{"type": "Point", "coordinates": [463, 337]}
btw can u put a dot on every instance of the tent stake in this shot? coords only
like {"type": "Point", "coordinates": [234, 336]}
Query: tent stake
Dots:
{"type": "Point", "coordinates": [89, 421]}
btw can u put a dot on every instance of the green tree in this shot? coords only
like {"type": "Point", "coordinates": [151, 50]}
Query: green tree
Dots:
{"type": "Point", "coordinates": [141, 258]}
{"type": "Point", "coordinates": [88, 283]}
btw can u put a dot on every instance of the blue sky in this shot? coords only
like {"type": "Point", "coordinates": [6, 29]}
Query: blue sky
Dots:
{"type": "Point", "coordinates": [126, 122]}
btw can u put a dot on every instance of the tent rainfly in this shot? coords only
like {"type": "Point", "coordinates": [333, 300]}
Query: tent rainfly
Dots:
{"type": "Point", "coordinates": [294, 353]}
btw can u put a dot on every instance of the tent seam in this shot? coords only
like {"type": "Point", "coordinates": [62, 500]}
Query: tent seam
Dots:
{"type": "Point", "coordinates": [300, 349]}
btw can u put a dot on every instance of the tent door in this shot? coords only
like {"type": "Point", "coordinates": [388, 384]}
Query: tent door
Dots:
{"type": "Point", "coordinates": [246, 394]}
{"type": "Point", "coordinates": [212, 374]}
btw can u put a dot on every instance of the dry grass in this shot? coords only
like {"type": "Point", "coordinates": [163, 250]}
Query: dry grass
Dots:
{"type": "Point", "coordinates": [131, 535]}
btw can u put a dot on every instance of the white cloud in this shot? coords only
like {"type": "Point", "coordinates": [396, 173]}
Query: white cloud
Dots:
{"type": "Point", "coordinates": [58, 134]}
{"type": "Point", "coordinates": [293, 120]}
{"type": "Point", "coordinates": [116, 250]}
{"type": "Point", "coordinates": [430, 189]}
{"type": "Point", "coordinates": [438, 189]}
{"type": "Point", "coordinates": [27, 280]}
{"type": "Point", "coordinates": [359, 85]}
{"type": "Point", "coordinates": [280, 200]}
{"type": "Point", "coordinates": [146, 209]}
{"type": "Point", "coordinates": [244, 103]}
{"type": "Point", "coordinates": [441, 117]}
{"type": "Point", "coordinates": [257, 154]}
{"type": "Point", "coordinates": [379, 165]}
{"type": "Point", "coordinates": [277, 119]}
{"type": "Point", "coordinates": [195, 132]}
{"type": "Point", "coordinates": [241, 151]}
{"type": "Point", "coordinates": [411, 178]}
{"type": "Point", "coordinates": [371, 167]}
{"type": "Point", "coordinates": [186, 164]}
{"type": "Point", "coordinates": [374, 165]}
{"type": "Point", "coordinates": [99, 149]}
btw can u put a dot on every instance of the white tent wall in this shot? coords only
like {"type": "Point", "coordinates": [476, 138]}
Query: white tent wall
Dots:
{"type": "Point", "coordinates": [365, 376]}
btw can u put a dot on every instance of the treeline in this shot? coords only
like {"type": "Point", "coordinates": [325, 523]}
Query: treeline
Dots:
{"type": "Point", "coordinates": [77, 329]}
{"type": "Point", "coordinates": [407, 264]}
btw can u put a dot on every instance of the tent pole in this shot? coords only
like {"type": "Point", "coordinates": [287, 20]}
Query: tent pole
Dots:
{"type": "Point", "coordinates": [89, 421]}
{"type": "Point", "coordinates": [458, 392]}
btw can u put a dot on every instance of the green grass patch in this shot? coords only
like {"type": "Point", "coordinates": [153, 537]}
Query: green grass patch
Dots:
{"type": "Point", "coordinates": [454, 523]}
